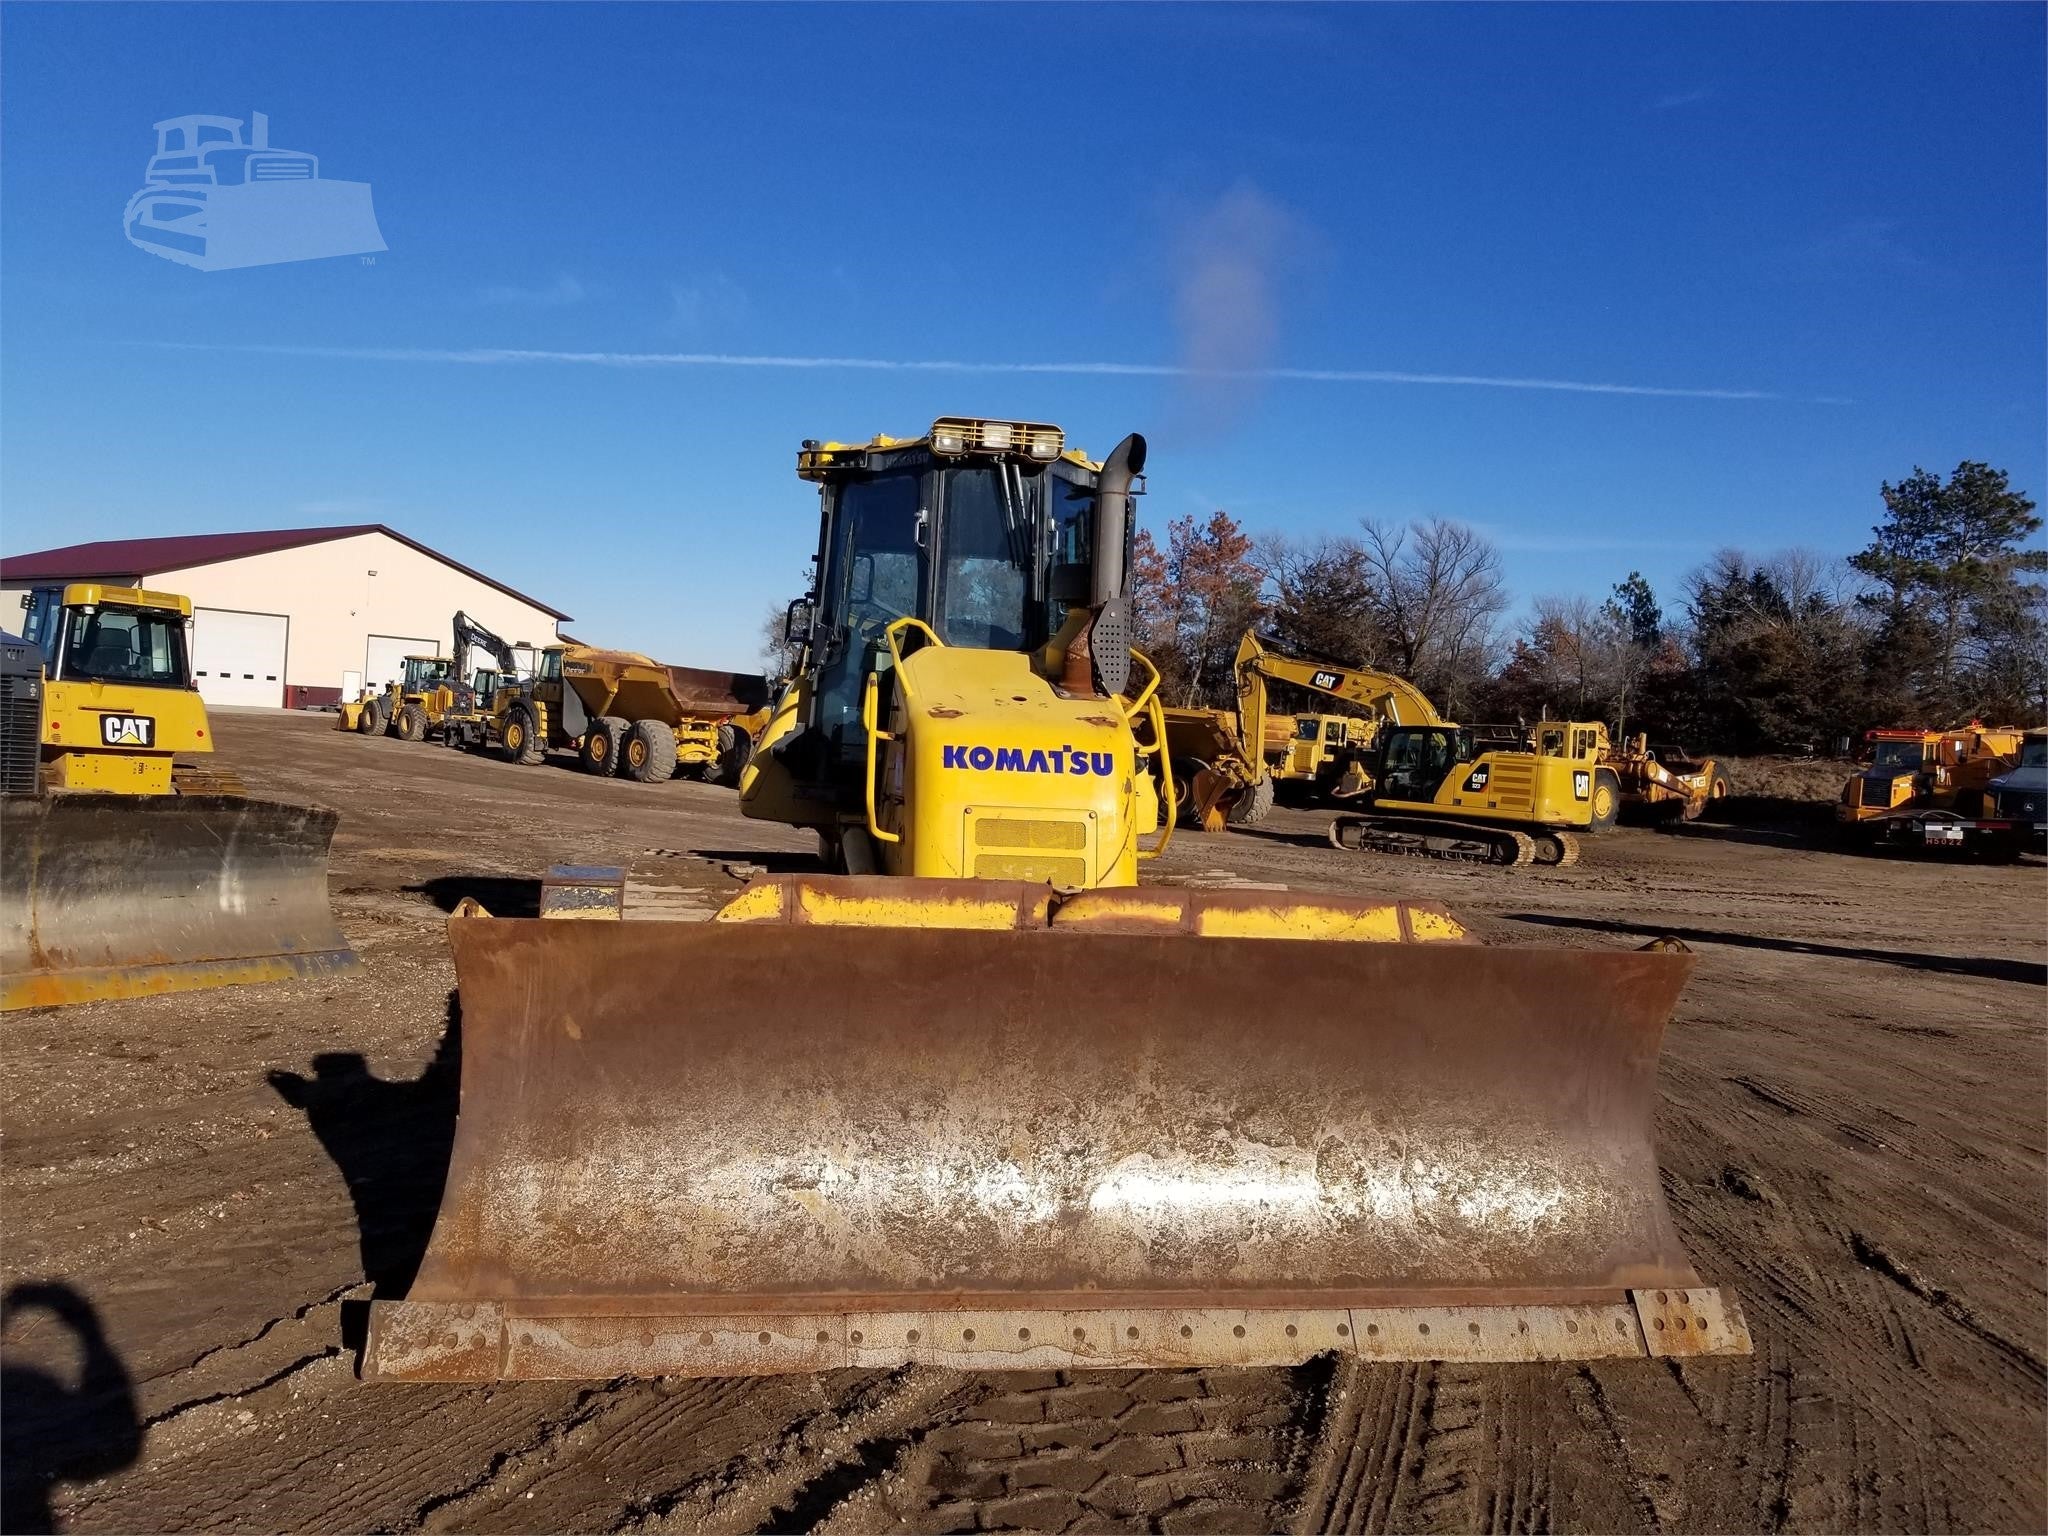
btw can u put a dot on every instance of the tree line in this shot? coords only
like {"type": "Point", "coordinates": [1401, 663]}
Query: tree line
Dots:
{"type": "Point", "coordinates": [1942, 618]}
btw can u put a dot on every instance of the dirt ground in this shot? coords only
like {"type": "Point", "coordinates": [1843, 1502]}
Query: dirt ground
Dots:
{"type": "Point", "coordinates": [202, 1191]}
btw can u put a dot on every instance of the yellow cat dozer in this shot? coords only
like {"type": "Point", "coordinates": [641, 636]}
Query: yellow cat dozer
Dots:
{"type": "Point", "coordinates": [1014, 1109]}
{"type": "Point", "coordinates": [122, 873]}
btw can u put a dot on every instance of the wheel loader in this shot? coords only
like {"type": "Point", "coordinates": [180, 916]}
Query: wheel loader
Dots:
{"type": "Point", "coordinates": [1431, 788]}
{"type": "Point", "coordinates": [122, 872]}
{"type": "Point", "coordinates": [1008, 1107]}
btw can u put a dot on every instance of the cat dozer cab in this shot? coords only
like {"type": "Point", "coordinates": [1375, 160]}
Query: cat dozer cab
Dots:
{"type": "Point", "coordinates": [1012, 1108]}
{"type": "Point", "coordinates": [122, 874]}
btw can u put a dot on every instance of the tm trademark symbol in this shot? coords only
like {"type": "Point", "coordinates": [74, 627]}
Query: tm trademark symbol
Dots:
{"type": "Point", "coordinates": [368, 261]}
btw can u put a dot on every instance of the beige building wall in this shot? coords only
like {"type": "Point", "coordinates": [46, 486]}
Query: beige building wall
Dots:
{"type": "Point", "coordinates": [337, 594]}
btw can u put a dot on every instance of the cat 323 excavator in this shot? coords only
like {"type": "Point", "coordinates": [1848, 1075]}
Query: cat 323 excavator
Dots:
{"type": "Point", "coordinates": [1009, 1107]}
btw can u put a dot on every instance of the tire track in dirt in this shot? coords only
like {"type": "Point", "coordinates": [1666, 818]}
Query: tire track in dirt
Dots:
{"type": "Point", "coordinates": [792, 1482]}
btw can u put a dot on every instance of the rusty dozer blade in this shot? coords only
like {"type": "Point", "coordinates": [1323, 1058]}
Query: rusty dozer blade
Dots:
{"type": "Point", "coordinates": [129, 895]}
{"type": "Point", "coordinates": [1019, 1141]}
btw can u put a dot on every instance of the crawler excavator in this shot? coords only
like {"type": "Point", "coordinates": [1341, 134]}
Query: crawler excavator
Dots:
{"type": "Point", "coordinates": [1432, 788]}
{"type": "Point", "coordinates": [122, 872]}
{"type": "Point", "coordinates": [998, 1105]}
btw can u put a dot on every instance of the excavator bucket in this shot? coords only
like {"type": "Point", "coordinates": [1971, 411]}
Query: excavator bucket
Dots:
{"type": "Point", "coordinates": [127, 895]}
{"type": "Point", "coordinates": [863, 1122]}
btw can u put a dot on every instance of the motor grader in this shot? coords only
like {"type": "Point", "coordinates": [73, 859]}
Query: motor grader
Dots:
{"type": "Point", "coordinates": [1431, 788]}
{"type": "Point", "coordinates": [123, 872]}
{"type": "Point", "coordinates": [1012, 1108]}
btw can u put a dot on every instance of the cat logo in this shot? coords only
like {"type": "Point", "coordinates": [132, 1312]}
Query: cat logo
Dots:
{"type": "Point", "coordinates": [1582, 785]}
{"type": "Point", "coordinates": [1476, 779]}
{"type": "Point", "coordinates": [128, 730]}
{"type": "Point", "coordinates": [1326, 679]}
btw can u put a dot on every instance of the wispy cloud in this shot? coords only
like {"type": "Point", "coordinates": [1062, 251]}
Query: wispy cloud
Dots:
{"type": "Point", "coordinates": [1230, 259]}
{"type": "Point", "coordinates": [563, 290]}
{"type": "Point", "coordinates": [511, 356]}
{"type": "Point", "coordinates": [1676, 99]}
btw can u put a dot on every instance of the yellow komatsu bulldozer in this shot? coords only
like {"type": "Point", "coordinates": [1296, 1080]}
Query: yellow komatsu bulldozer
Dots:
{"type": "Point", "coordinates": [122, 872]}
{"type": "Point", "coordinates": [1010, 1108]}
{"type": "Point", "coordinates": [1436, 789]}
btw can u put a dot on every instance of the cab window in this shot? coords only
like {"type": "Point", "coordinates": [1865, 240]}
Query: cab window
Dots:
{"type": "Point", "coordinates": [125, 645]}
{"type": "Point", "coordinates": [983, 559]}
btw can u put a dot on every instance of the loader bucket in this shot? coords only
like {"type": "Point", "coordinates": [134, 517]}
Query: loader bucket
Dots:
{"type": "Point", "coordinates": [1008, 1139]}
{"type": "Point", "coordinates": [127, 895]}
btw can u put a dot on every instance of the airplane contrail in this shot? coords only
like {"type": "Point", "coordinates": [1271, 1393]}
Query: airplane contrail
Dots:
{"type": "Point", "coordinates": [516, 355]}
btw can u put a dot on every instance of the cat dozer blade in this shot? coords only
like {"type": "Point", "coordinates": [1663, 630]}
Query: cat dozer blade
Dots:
{"type": "Point", "coordinates": [129, 895]}
{"type": "Point", "coordinates": [862, 1122]}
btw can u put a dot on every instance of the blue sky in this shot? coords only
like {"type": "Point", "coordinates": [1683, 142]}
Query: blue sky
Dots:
{"type": "Point", "coordinates": [1821, 226]}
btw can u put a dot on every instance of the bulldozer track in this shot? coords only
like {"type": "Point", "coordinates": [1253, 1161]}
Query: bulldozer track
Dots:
{"type": "Point", "coordinates": [1849, 1137]}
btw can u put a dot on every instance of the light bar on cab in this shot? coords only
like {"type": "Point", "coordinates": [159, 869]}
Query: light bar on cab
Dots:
{"type": "Point", "coordinates": [953, 436]}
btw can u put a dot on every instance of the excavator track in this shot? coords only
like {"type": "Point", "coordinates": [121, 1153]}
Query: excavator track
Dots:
{"type": "Point", "coordinates": [1555, 849]}
{"type": "Point", "coordinates": [1453, 841]}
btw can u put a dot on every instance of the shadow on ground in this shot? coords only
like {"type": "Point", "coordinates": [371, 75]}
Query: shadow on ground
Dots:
{"type": "Point", "coordinates": [391, 1140]}
{"type": "Point", "coordinates": [1991, 969]}
{"type": "Point", "coordinates": [54, 1431]}
{"type": "Point", "coordinates": [499, 895]}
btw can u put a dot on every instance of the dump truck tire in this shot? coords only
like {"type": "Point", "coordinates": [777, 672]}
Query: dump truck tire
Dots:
{"type": "Point", "coordinates": [1252, 807]}
{"type": "Point", "coordinates": [131, 895]}
{"type": "Point", "coordinates": [1184, 771]}
{"type": "Point", "coordinates": [939, 1159]}
{"type": "Point", "coordinates": [412, 723]}
{"type": "Point", "coordinates": [735, 751]}
{"type": "Point", "coordinates": [1606, 800]}
{"type": "Point", "coordinates": [371, 719]}
{"type": "Point", "coordinates": [522, 744]}
{"type": "Point", "coordinates": [601, 743]}
{"type": "Point", "coordinates": [649, 754]}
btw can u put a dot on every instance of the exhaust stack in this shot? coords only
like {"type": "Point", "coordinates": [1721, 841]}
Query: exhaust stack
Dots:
{"type": "Point", "coordinates": [1099, 660]}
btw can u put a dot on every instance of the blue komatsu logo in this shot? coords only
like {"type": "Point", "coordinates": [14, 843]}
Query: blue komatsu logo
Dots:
{"type": "Point", "coordinates": [1037, 760]}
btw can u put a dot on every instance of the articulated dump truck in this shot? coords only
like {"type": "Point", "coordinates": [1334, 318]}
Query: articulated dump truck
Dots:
{"type": "Point", "coordinates": [1009, 1107]}
{"type": "Point", "coordinates": [122, 873]}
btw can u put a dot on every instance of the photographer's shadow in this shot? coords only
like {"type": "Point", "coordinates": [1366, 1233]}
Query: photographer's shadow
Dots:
{"type": "Point", "coordinates": [391, 1141]}
{"type": "Point", "coordinates": [54, 1431]}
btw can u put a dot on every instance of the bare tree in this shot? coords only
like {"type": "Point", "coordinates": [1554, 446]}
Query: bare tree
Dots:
{"type": "Point", "coordinates": [1441, 595]}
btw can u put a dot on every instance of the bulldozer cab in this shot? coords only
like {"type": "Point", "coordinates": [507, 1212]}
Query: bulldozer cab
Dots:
{"type": "Point", "coordinates": [89, 633]}
{"type": "Point", "coordinates": [989, 551]}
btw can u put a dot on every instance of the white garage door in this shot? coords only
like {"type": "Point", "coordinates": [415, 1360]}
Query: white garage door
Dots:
{"type": "Point", "coordinates": [238, 658]}
{"type": "Point", "coordinates": [384, 661]}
